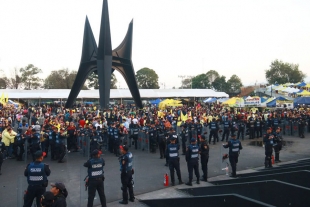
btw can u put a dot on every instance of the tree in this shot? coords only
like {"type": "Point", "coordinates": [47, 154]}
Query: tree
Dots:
{"type": "Point", "coordinates": [234, 84]}
{"type": "Point", "coordinates": [61, 79]}
{"type": "Point", "coordinates": [219, 84]}
{"type": "Point", "coordinates": [15, 80]}
{"type": "Point", "coordinates": [186, 83]}
{"type": "Point", "coordinates": [147, 79]}
{"type": "Point", "coordinates": [94, 83]}
{"type": "Point", "coordinates": [281, 73]}
{"type": "Point", "coordinates": [212, 75]}
{"type": "Point", "coordinates": [200, 81]}
{"type": "Point", "coordinates": [29, 77]}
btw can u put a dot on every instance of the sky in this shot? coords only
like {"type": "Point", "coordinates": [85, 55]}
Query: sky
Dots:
{"type": "Point", "coordinates": [173, 37]}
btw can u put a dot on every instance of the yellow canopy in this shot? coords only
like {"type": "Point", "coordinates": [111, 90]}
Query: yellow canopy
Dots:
{"type": "Point", "coordinates": [304, 93]}
{"type": "Point", "coordinates": [307, 86]}
{"type": "Point", "coordinates": [169, 102]}
{"type": "Point", "coordinates": [233, 101]}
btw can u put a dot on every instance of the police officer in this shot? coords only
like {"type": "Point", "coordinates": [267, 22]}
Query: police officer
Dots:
{"type": "Point", "coordinates": [259, 127]}
{"type": "Point", "coordinates": [234, 146]}
{"type": "Point", "coordinates": [268, 141]}
{"type": "Point", "coordinates": [161, 143]}
{"type": "Point", "coordinates": [277, 146]}
{"type": "Point", "coordinates": [198, 127]}
{"type": "Point", "coordinates": [20, 140]}
{"type": "Point", "coordinates": [111, 137]}
{"type": "Point", "coordinates": [204, 157]}
{"type": "Point", "coordinates": [152, 137]}
{"type": "Point", "coordinates": [60, 145]}
{"type": "Point", "coordinates": [126, 169]}
{"type": "Point", "coordinates": [251, 124]}
{"type": "Point", "coordinates": [184, 137]}
{"type": "Point", "coordinates": [192, 159]}
{"type": "Point", "coordinates": [174, 160]}
{"type": "Point", "coordinates": [94, 142]}
{"type": "Point", "coordinates": [95, 178]}
{"type": "Point", "coordinates": [226, 125]}
{"type": "Point", "coordinates": [213, 126]}
{"type": "Point", "coordinates": [276, 122]}
{"type": "Point", "coordinates": [52, 142]}
{"type": "Point", "coordinates": [241, 127]}
{"type": "Point", "coordinates": [169, 137]}
{"type": "Point", "coordinates": [35, 143]}
{"type": "Point", "coordinates": [301, 127]}
{"type": "Point", "coordinates": [36, 173]}
{"type": "Point", "coordinates": [135, 132]}
{"type": "Point", "coordinates": [116, 141]}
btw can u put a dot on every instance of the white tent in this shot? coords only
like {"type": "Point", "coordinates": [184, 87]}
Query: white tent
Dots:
{"type": "Point", "coordinates": [114, 93]}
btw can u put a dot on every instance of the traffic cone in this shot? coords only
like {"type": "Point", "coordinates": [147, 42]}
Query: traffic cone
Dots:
{"type": "Point", "coordinates": [166, 180]}
{"type": "Point", "coordinates": [272, 159]}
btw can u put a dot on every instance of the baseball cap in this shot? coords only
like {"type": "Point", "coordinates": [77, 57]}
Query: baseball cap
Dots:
{"type": "Point", "coordinates": [193, 140]}
{"type": "Point", "coordinates": [123, 147]}
{"type": "Point", "coordinates": [233, 135]}
{"type": "Point", "coordinates": [60, 186]}
{"type": "Point", "coordinates": [95, 152]}
{"type": "Point", "coordinates": [39, 154]}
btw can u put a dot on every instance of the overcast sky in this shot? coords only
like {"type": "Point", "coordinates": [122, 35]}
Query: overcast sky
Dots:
{"type": "Point", "coordinates": [173, 37]}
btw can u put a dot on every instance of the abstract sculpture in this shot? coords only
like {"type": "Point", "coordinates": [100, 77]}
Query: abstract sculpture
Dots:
{"type": "Point", "coordinates": [104, 61]}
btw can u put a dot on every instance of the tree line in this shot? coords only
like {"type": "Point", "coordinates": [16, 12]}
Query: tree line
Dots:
{"type": "Point", "coordinates": [28, 78]}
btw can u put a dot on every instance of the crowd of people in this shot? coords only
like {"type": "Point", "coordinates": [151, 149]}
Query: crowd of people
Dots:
{"type": "Point", "coordinates": [55, 131]}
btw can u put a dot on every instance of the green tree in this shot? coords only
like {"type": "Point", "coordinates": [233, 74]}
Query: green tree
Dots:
{"type": "Point", "coordinates": [212, 75]}
{"type": "Point", "coordinates": [281, 73]}
{"type": "Point", "coordinates": [29, 77]}
{"type": "Point", "coordinates": [200, 81]}
{"type": "Point", "coordinates": [94, 83]}
{"type": "Point", "coordinates": [61, 79]}
{"type": "Point", "coordinates": [147, 79]}
{"type": "Point", "coordinates": [220, 84]}
{"type": "Point", "coordinates": [186, 83]}
{"type": "Point", "coordinates": [234, 84]}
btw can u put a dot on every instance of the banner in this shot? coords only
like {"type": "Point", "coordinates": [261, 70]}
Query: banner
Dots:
{"type": "Point", "coordinates": [285, 104]}
{"type": "Point", "coordinates": [252, 101]}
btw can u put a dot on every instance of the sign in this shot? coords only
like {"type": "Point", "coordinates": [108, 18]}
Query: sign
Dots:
{"type": "Point", "coordinates": [285, 104]}
{"type": "Point", "coordinates": [252, 101]}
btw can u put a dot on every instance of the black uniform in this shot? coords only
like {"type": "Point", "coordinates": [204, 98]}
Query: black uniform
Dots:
{"type": "Point", "coordinates": [161, 143]}
{"type": "Point", "coordinates": [20, 140]}
{"type": "Point", "coordinates": [213, 126]}
{"type": "Point", "coordinates": [95, 180]}
{"type": "Point", "coordinates": [174, 161]}
{"type": "Point", "coordinates": [268, 141]}
{"type": "Point", "coordinates": [258, 127]}
{"type": "Point", "coordinates": [227, 126]}
{"type": "Point", "coordinates": [60, 146]}
{"type": "Point", "coordinates": [234, 146]}
{"type": "Point", "coordinates": [36, 173]}
{"type": "Point", "coordinates": [301, 127]}
{"type": "Point", "coordinates": [277, 146]}
{"type": "Point", "coordinates": [35, 144]}
{"type": "Point", "coordinates": [204, 158]}
{"type": "Point", "coordinates": [126, 162]}
{"type": "Point", "coordinates": [241, 127]}
{"type": "Point", "coordinates": [135, 134]}
{"type": "Point", "coordinates": [184, 137]}
{"type": "Point", "coordinates": [251, 123]}
{"type": "Point", "coordinates": [116, 141]}
{"type": "Point", "coordinates": [192, 160]}
{"type": "Point", "coordinates": [152, 138]}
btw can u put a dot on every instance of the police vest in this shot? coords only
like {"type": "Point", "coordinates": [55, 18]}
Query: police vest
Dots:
{"type": "Point", "coordinates": [128, 165]}
{"type": "Point", "coordinates": [135, 131]}
{"type": "Point", "coordinates": [57, 139]}
{"type": "Point", "coordinates": [241, 124]}
{"type": "Point", "coordinates": [19, 139]}
{"type": "Point", "coordinates": [193, 151]}
{"type": "Point", "coordinates": [36, 174]}
{"type": "Point", "coordinates": [213, 126]}
{"type": "Point", "coordinates": [235, 146]}
{"type": "Point", "coordinates": [173, 151]}
{"type": "Point", "coordinates": [198, 128]}
{"type": "Point", "coordinates": [258, 124]}
{"type": "Point", "coordinates": [111, 131]}
{"type": "Point", "coordinates": [276, 122]}
{"type": "Point", "coordinates": [35, 139]}
{"type": "Point", "coordinates": [96, 168]}
{"type": "Point", "coordinates": [115, 133]}
{"type": "Point", "coordinates": [50, 136]}
{"type": "Point", "coordinates": [152, 132]}
{"type": "Point", "coordinates": [226, 124]}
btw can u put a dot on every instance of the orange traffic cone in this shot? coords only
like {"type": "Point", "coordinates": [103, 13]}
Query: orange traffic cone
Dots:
{"type": "Point", "coordinates": [272, 159]}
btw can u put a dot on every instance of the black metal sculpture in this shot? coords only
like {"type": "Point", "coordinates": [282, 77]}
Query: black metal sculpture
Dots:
{"type": "Point", "coordinates": [104, 61]}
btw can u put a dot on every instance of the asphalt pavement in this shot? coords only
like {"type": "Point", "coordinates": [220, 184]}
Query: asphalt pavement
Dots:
{"type": "Point", "coordinates": [148, 177]}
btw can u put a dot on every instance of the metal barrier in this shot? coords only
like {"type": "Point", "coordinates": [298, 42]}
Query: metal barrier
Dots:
{"type": "Point", "coordinates": [140, 134]}
{"type": "Point", "coordinates": [295, 129]}
{"type": "Point", "coordinates": [85, 146]}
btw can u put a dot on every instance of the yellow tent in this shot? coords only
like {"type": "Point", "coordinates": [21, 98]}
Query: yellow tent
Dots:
{"type": "Point", "coordinates": [169, 102]}
{"type": "Point", "coordinates": [307, 86]}
{"type": "Point", "coordinates": [234, 101]}
{"type": "Point", "coordinates": [304, 93]}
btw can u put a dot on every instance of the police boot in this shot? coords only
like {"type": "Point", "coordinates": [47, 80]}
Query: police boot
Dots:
{"type": "Point", "coordinates": [180, 182]}
{"type": "Point", "coordinates": [198, 181]}
{"type": "Point", "coordinates": [277, 157]}
{"type": "Point", "coordinates": [189, 183]}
